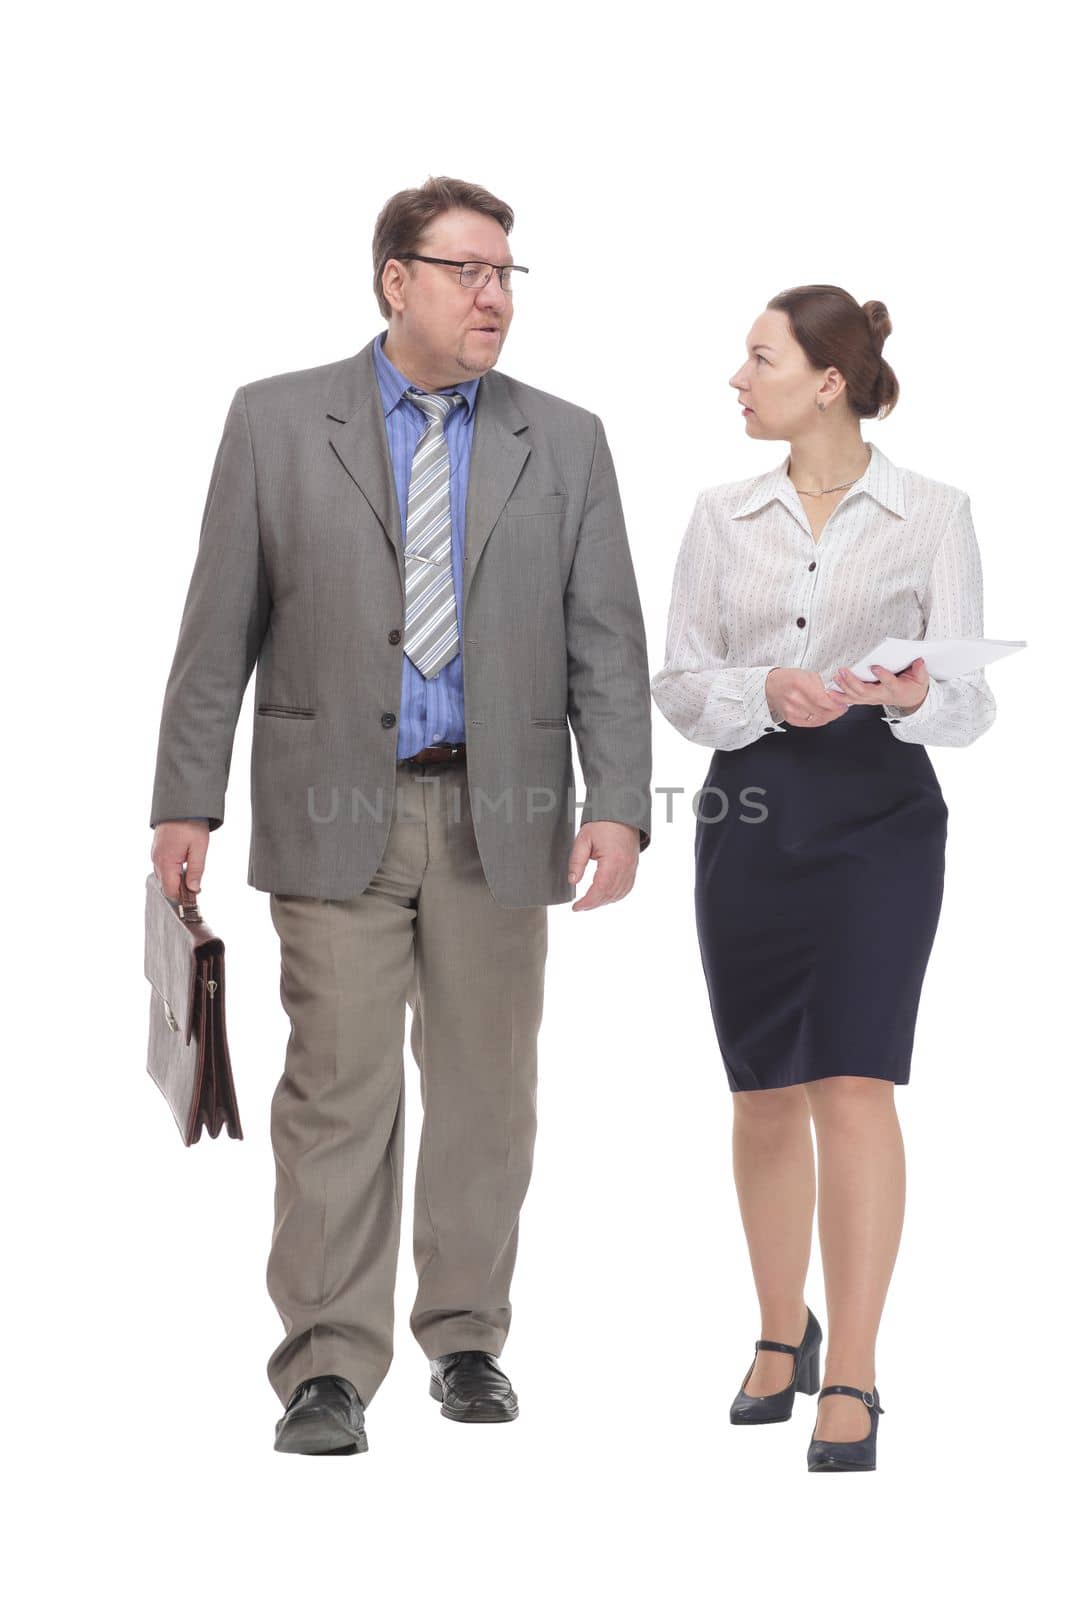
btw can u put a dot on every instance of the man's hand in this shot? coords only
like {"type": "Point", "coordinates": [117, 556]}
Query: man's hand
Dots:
{"type": "Point", "coordinates": [173, 843]}
{"type": "Point", "coordinates": [906, 689]}
{"type": "Point", "coordinates": [797, 696]}
{"type": "Point", "coordinates": [614, 846]}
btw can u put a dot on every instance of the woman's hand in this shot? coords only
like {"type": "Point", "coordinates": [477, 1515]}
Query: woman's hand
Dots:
{"type": "Point", "coordinates": [906, 689]}
{"type": "Point", "coordinates": [797, 696]}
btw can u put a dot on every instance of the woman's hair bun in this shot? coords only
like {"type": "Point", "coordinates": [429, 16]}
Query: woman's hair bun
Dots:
{"type": "Point", "coordinates": [878, 322]}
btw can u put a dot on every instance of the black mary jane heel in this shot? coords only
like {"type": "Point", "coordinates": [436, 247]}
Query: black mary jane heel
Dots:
{"type": "Point", "coordinates": [847, 1455]}
{"type": "Point", "coordinates": [778, 1407]}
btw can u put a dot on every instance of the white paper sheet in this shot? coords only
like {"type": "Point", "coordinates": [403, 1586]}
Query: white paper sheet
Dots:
{"type": "Point", "coordinates": [943, 658]}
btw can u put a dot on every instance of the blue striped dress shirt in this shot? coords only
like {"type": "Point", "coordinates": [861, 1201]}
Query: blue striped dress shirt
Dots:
{"type": "Point", "coordinates": [431, 709]}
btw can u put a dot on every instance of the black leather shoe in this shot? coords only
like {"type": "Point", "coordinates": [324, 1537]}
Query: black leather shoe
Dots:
{"type": "Point", "coordinates": [324, 1417]}
{"type": "Point", "coordinates": [472, 1388]}
{"type": "Point", "coordinates": [778, 1407]}
{"type": "Point", "coordinates": [848, 1455]}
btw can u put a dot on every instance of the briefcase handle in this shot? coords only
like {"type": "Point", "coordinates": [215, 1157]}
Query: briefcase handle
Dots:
{"type": "Point", "coordinates": [188, 909]}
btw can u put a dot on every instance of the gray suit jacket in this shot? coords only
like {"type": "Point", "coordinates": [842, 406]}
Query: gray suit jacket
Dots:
{"type": "Point", "coordinates": [300, 573]}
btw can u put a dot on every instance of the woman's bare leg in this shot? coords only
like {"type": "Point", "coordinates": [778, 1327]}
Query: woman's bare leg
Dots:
{"type": "Point", "coordinates": [774, 1172]}
{"type": "Point", "coordinates": [861, 1213]}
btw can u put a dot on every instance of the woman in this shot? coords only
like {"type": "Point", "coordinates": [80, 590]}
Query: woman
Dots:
{"type": "Point", "coordinates": [820, 835]}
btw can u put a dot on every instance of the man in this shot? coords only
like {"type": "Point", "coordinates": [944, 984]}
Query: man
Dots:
{"type": "Point", "coordinates": [412, 808]}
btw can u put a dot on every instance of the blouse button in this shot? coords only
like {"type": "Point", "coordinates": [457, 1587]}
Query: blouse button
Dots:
{"type": "Point", "coordinates": [812, 567]}
{"type": "Point", "coordinates": [801, 623]}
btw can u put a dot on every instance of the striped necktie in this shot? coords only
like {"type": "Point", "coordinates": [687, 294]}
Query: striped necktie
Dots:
{"type": "Point", "coordinates": [431, 629]}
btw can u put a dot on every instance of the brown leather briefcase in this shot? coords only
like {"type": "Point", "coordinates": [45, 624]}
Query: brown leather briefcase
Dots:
{"type": "Point", "coordinates": [187, 1053]}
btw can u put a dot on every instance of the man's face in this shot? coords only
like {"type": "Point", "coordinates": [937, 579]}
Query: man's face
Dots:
{"type": "Point", "coordinates": [438, 327]}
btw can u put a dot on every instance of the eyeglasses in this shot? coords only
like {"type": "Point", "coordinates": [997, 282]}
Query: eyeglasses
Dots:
{"type": "Point", "coordinates": [472, 274]}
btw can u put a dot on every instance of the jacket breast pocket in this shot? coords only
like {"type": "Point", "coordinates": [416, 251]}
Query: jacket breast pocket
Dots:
{"type": "Point", "coordinates": [541, 505]}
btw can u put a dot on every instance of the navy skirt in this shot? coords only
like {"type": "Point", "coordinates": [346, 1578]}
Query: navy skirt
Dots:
{"type": "Point", "coordinates": [820, 864]}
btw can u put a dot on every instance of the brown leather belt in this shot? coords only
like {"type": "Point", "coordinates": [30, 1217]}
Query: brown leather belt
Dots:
{"type": "Point", "coordinates": [434, 755]}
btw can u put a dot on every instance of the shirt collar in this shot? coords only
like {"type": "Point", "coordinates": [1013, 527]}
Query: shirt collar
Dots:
{"type": "Point", "coordinates": [882, 480]}
{"type": "Point", "coordinates": [394, 385]}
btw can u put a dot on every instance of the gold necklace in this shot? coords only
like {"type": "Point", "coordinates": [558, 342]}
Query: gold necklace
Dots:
{"type": "Point", "coordinates": [814, 492]}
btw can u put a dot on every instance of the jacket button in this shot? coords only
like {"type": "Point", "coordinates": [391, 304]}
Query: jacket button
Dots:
{"type": "Point", "coordinates": [388, 719]}
{"type": "Point", "coordinates": [394, 635]}
{"type": "Point", "coordinates": [812, 567]}
{"type": "Point", "coordinates": [801, 622]}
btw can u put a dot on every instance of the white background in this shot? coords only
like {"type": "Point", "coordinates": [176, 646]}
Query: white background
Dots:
{"type": "Point", "coordinates": [192, 193]}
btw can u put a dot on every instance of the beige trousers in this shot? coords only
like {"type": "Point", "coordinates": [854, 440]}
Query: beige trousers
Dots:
{"type": "Point", "coordinates": [425, 933]}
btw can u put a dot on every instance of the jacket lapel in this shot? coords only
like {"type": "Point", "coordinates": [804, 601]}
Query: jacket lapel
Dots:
{"type": "Point", "coordinates": [357, 434]}
{"type": "Point", "coordinates": [498, 455]}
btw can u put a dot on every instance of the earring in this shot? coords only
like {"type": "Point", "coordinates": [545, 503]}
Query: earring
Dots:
{"type": "Point", "coordinates": [820, 405]}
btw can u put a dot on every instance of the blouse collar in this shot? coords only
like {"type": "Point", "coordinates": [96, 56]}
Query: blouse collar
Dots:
{"type": "Point", "coordinates": [882, 480]}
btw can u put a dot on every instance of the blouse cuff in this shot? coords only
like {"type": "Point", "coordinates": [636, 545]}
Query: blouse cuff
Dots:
{"type": "Point", "coordinates": [896, 716]}
{"type": "Point", "coordinates": [757, 710]}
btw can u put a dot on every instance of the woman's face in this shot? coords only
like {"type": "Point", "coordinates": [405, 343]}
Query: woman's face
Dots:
{"type": "Point", "coordinates": [777, 384]}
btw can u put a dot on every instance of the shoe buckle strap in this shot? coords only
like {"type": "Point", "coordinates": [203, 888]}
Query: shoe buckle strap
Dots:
{"type": "Point", "coordinates": [773, 1344]}
{"type": "Point", "coordinates": [866, 1395]}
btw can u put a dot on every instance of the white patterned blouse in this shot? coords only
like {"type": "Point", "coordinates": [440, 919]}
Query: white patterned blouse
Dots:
{"type": "Point", "coordinates": [753, 590]}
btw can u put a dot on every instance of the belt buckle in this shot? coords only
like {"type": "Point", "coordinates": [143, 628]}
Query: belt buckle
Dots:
{"type": "Point", "coordinates": [453, 752]}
